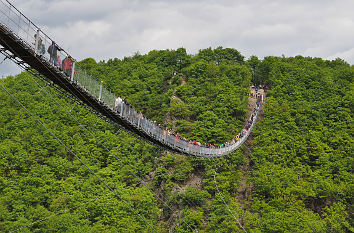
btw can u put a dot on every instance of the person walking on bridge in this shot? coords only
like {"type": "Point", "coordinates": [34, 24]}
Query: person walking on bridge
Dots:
{"type": "Point", "coordinates": [117, 104]}
{"type": "Point", "coordinates": [67, 65]}
{"type": "Point", "coordinates": [53, 51]}
{"type": "Point", "coordinates": [59, 64]}
{"type": "Point", "coordinates": [39, 46]}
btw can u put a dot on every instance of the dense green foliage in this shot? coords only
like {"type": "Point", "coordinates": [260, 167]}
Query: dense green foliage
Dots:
{"type": "Point", "coordinates": [39, 177]}
{"type": "Point", "coordinates": [303, 153]}
{"type": "Point", "coordinates": [294, 175]}
{"type": "Point", "coordinates": [206, 101]}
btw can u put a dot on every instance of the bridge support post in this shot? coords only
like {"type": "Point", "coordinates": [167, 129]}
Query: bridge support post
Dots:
{"type": "Point", "coordinates": [100, 94]}
{"type": "Point", "coordinates": [73, 72]}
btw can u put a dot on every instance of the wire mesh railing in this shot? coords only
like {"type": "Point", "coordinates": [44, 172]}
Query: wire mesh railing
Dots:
{"type": "Point", "coordinates": [45, 48]}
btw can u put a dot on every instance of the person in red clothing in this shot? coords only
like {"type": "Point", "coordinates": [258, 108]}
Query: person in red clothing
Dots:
{"type": "Point", "coordinates": [67, 65]}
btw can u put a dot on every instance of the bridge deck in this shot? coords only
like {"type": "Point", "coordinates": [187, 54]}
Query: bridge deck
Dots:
{"type": "Point", "coordinates": [21, 50]}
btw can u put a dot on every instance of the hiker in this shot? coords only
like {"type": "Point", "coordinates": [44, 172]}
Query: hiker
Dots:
{"type": "Point", "coordinates": [59, 65]}
{"type": "Point", "coordinates": [67, 66]}
{"type": "Point", "coordinates": [140, 118]}
{"type": "Point", "coordinates": [53, 51]}
{"type": "Point", "coordinates": [40, 46]}
{"type": "Point", "coordinates": [117, 104]}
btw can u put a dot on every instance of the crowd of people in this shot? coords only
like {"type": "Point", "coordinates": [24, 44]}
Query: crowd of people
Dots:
{"type": "Point", "coordinates": [125, 110]}
{"type": "Point", "coordinates": [65, 65]}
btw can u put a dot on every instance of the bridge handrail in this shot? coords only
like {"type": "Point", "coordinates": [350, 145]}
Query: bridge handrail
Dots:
{"type": "Point", "coordinates": [29, 33]}
{"type": "Point", "coordinates": [24, 28]}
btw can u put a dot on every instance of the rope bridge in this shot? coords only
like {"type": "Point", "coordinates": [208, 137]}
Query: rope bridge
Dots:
{"type": "Point", "coordinates": [26, 45]}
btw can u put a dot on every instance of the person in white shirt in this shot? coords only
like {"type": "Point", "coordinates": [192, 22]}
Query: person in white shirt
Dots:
{"type": "Point", "coordinates": [117, 104]}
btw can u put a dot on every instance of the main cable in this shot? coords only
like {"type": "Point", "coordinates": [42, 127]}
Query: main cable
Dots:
{"type": "Point", "coordinates": [84, 127]}
{"type": "Point", "coordinates": [228, 208]}
{"type": "Point", "coordinates": [76, 88]}
{"type": "Point", "coordinates": [98, 177]}
{"type": "Point", "coordinates": [77, 121]}
{"type": "Point", "coordinates": [102, 144]}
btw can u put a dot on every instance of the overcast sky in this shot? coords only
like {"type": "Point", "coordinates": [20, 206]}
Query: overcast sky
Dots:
{"type": "Point", "coordinates": [104, 29]}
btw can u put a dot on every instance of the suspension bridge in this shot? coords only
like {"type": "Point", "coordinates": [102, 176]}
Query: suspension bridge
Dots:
{"type": "Point", "coordinates": [25, 44]}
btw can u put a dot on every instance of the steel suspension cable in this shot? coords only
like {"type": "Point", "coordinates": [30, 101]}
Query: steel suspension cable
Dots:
{"type": "Point", "coordinates": [228, 208]}
{"type": "Point", "coordinates": [84, 127]}
{"type": "Point", "coordinates": [95, 137]}
{"type": "Point", "coordinates": [52, 73]}
{"type": "Point", "coordinates": [76, 88]}
{"type": "Point", "coordinates": [102, 144]}
{"type": "Point", "coordinates": [218, 191]}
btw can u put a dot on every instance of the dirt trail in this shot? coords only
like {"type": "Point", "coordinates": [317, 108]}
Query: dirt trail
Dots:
{"type": "Point", "coordinates": [252, 100]}
{"type": "Point", "coordinates": [174, 96]}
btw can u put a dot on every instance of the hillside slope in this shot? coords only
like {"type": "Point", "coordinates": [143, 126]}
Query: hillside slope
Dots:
{"type": "Point", "coordinates": [295, 175]}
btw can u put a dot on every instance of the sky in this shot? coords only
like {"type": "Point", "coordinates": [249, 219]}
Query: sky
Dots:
{"type": "Point", "coordinates": [104, 29]}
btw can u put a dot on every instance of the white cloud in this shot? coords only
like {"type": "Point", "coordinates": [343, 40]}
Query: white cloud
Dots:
{"type": "Point", "coordinates": [347, 55]}
{"type": "Point", "coordinates": [105, 29]}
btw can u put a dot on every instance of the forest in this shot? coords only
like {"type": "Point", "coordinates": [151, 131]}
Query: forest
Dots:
{"type": "Point", "coordinates": [294, 174]}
